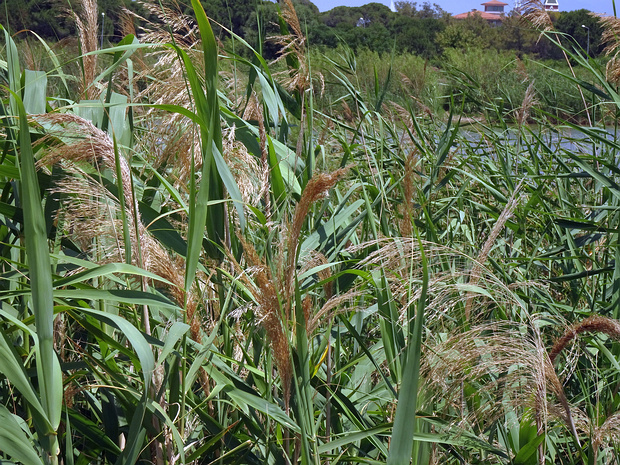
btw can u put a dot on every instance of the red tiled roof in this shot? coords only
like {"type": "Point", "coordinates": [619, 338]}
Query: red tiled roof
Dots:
{"type": "Point", "coordinates": [483, 15]}
{"type": "Point", "coordinates": [495, 3]}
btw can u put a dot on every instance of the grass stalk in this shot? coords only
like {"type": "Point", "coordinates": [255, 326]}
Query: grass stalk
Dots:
{"type": "Point", "coordinates": [403, 441]}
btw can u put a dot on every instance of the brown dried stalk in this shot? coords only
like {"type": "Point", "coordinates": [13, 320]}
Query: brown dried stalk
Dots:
{"type": "Point", "coordinates": [529, 101]}
{"type": "Point", "coordinates": [406, 228]}
{"type": "Point", "coordinates": [270, 314]}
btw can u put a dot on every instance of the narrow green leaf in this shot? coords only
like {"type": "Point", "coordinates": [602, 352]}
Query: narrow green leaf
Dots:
{"type": "Point", "coordinates": [122, 296]}
{"type": "Point", "coordinates": [135, 437]}
{"type": "Point", "coordinates": [14, 442]}
{"type": "Point", "coordinates": [126, 47]}
{"type": "Point", "coordinates": [54, 59]}
{"type": "Point", "coordinates": [134, 336]}
{"type": "Point", "coordinates": [40, 272]}
{"type": "Point", "coordinates": [176, 332]}
{"type": "Point", "coordinates": [244, 399]}
{"type": "Point", "coordinates": [12, 368]}
{"type": "Point", "coordinates": [13, 70]}
{"type": "Point", "coordinates": [352, 437]}
{"type": "Point", "coordinates": [68, 440]}
{"type": "Point", "coordinates": [35, 91]}
{"type": "Point", "coordinates": [403, 434]}
{"type": "Point", "coordinates": [207, 109]}
{"type": "Point", "coordinates": [528, 450]}
{"type": "Point", "coordinates": [277, 183]}
{"type": "Point", "coordinates": [231, 185]}
{"type": "Point", "coordinates": [106, 270]}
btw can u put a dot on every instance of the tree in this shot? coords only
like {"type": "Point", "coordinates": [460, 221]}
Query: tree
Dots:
{"type": "Point", "coordinates": [232, 14]}
{"type": "Point", "coordinates": [571, 22]}
{"type": "Point", "coordinates": [516, 35]}
{"type": "Point", "coordinates": [371, 12]}
{"type": "Point", "coordinates": [470, 32]}
{"type": "Point", "coordinates": [427, 10]}
{"type": "Point", "coordinates": [48, 18]}
{"type": "Point", "coordinates": [53, 19]}
{"type": "Point", "coordinates": [417, 35]}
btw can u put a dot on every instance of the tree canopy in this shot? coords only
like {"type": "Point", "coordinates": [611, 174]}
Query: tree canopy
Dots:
{"type": "Point", "coordinates": [421, 28]}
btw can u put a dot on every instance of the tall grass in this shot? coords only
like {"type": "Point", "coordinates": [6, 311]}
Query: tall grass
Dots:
{"type": "Point", "coordinates": [241, 266]}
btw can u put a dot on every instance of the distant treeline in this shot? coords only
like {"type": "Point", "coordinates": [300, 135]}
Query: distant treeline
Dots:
{"type": "Point", "coordinates": [426, 29]}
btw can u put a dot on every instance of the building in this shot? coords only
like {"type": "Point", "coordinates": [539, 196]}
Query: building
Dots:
{"type": "Point", "coordinates": [551, 5]}
{"type": "Point", "coordinates": [493, 12]}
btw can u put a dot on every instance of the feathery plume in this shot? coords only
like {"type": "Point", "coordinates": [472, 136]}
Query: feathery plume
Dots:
{"type": "Point", "coordinates": [260, 278]}
{"type": "Point", "coordinates": [611, 38]}
{"type": "Point", "coordinates": [534, 12]}
{"type": "Point", "coordinates": [514, 355]}
{"type": "Point", "coordinates": [529, 101]}
{"type": "Point", "coordinates": [489, 243]}
{"type": "Point", "coordinates": [294, 46]}
{"type": "Point", "coordinates": [90, 209]}
{"type": "Point", "coordinates": [87, 27]}
{"type": "Point", "coordinates": [592, 324]}
{"type": "Point", "coordinates": [316, 187]}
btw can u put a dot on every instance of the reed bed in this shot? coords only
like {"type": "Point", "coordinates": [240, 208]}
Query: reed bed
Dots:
{"type": "Point", "coordinates": [209, 258]}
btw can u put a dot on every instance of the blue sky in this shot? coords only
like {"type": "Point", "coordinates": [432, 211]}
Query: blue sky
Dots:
{"type": "Point", "coordinates": [460, 6]}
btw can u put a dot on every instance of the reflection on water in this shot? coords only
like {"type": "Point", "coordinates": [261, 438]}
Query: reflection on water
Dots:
{"type": "Point", "coordinates": [570, 139]}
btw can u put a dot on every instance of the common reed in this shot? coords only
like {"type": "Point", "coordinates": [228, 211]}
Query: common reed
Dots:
{"type": "Point", "coordinates": [506, 214]}
{"type": "Point", "coordinates": [259, 277]}
{"type": "Point", "coordinates": [448, 291]}
{"type": "Point", "coordinates": [92, 213]}
{"type": "Point", "coordinates": [592, 324]}
{"type": "Point", "coordinates": [504, 363]}
{"type": "Point", "coordinates": [534, 12]}
{"type": "Point", "coordinates": [86, 21]}
{"type": "Point", "coordinates": [611, 31]}
{"type": "Point", "coordinates": [235, 379]}
{"type": "Point", "coordinates": [166, 84]}
{"type": "Point", "coordinates": [293, 47]}
{"type": "Point", "coordinates": [529, 102]}
{"type": "Point", "coordinates": [316, 187]}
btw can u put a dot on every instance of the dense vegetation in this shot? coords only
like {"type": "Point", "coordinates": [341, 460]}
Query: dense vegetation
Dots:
{"type": "Point", "coordinates": [210, 258]}
{"type": "Point", "coordinates": [423, 29]}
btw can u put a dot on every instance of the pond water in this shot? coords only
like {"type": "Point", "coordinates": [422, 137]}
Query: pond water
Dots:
{"type": "Point", "coordinates": [572, 139]}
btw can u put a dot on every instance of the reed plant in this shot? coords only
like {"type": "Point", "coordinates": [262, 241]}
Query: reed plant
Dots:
{"type": "Point", "coordinates": [208, 259]}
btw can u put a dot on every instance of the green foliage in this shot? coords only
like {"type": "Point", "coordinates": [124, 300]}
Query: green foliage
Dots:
{"type": "Point", "coordinates": [470, 33]}
{"type": "Point", "coordinates": [214, 262]}
{"type": "Point", "coordinates": [41, 16]}
{"type": "Point", "coordinates": [572, 22]}
{"type": "Point", "coordinates": [418, 35]}
{"type": "Point", "coordinates": [426, 10]}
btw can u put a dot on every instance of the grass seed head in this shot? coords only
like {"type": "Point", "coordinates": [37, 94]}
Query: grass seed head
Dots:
{"type": "Point", "coordinates": [86, 21]}
{"type": "Point", "coordinates": [611, 38]}
{"type": "Point", "coordinates": [269, 311]}
{"type": "Point", "coordinates": [529, 101]}
{"type": "Point", "coordinates": [534, 12]}
{"type": "Point", "coordinates": [592, 324]}
{"type": "Point", "coordinates": [293, 44]}
{"type": "Point", "coordinates": [314, 190]}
